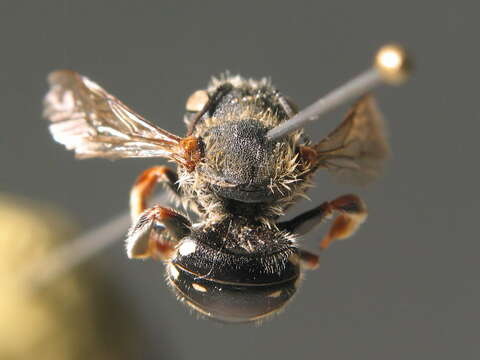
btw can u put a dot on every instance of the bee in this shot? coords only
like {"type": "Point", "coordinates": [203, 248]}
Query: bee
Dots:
{"type": "Point", "coordinates": [237, 261]}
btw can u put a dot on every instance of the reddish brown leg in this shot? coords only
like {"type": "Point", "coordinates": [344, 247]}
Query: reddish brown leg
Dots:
{"type": "Point", "coordinates": [352, 213]}
{"type": "Point", "coordinates": [154, 230]}
{"type": "Point", "coordinates": [144, 185]}
{"type": "Point", "coordinates": [155, 233]}
{"type": "Point", "coordinates": [309, 260]}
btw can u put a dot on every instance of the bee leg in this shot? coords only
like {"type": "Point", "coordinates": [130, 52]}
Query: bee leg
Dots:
{"type": "Point", "coordinates": [144, 185]}
{"type": "Point", "coordinates": [155, 233]}
{"type": "Point", "coordinates": [305, 222]}
{"type": "Point", "coordinates": [309, 260]}
{"type": "Point", "coordinates": [352, 213]}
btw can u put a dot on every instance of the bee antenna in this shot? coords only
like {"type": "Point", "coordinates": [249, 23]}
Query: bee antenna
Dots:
{"type": "Point", "coordinates": [392, 66]}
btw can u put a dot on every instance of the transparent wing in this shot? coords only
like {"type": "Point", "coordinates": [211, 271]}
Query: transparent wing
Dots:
{"type": "Point", "coordinates": [87, 119]}
{"type": "Point", "coordinates": [356, 150]}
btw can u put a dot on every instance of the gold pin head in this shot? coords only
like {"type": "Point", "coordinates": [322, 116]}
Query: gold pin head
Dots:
{"type": "Point", "coordinates": [393, 64]}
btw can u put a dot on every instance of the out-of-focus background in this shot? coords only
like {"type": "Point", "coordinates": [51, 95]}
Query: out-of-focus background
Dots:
{"type": "Point", "coordinates": [407, 285]}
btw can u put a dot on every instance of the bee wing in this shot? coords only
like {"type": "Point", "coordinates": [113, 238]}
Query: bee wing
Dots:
{"type": "Point", "coordinates": [87, 119]}
{"type": "Point", "coordinates": [356, 150]}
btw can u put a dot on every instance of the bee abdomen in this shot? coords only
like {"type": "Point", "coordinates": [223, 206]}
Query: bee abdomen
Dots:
{"type": "Point", "coordinates": [233, 287]}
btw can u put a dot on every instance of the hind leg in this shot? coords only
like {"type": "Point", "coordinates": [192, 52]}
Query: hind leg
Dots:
{"type": "Point", "coordinates": [351, 210]}
{"type": "Point", "coordinates": [352, 213]}
{"type": "Point", "coordinates": [309, 260]}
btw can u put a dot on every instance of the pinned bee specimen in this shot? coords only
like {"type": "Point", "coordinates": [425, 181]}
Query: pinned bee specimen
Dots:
{"type": "Point", "coordinates": [243, 161]}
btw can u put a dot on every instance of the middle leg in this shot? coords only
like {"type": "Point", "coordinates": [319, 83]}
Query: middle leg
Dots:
{"type": "Point", "coordinates": [155, 233]}
{"type": "Point", "coordinates": [144, 185]}
{"type": "Point", "coordinates": [155, 230]}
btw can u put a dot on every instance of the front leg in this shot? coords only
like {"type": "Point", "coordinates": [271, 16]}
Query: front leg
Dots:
{"type": "Point", "coordinates": [155, 233]}
{"type": "Point", "coordinates": [352, 213]}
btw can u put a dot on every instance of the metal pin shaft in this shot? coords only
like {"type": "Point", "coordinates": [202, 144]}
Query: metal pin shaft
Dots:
{"type": "Point", "coordinates": [75, 252]}
{"type": "Point", "coordinates": [391, 66]}
{"type": "Point", "coordinates": [355, 87]}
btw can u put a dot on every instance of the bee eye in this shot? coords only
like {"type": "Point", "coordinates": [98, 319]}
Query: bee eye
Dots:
{"type": "Point", "coordinates": [197, 101]}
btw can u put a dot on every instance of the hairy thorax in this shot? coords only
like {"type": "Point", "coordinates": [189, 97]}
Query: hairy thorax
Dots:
{"type": "Point", "coordinates": [242, 172]}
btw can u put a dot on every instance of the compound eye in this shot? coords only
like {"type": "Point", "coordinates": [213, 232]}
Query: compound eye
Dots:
{"type": "Point", "coordinates": [197, 101]}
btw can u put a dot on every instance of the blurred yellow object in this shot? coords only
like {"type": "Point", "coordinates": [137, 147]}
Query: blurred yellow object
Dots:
{"type": "Point", "coordinates": [62, 321]}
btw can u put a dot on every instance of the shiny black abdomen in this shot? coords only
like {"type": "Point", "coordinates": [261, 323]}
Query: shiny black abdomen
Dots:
{"type": "Point", "coordinates": [229, 281]}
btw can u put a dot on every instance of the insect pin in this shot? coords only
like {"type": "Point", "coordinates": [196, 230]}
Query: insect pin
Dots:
{"type": "Point", "coordinates": [243, 161]}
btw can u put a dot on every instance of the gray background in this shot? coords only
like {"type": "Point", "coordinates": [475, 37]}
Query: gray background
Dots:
{"type": "Point", "coordinates": [406, 286]}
